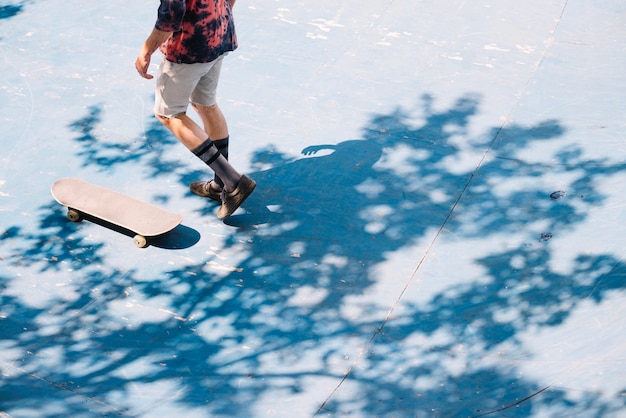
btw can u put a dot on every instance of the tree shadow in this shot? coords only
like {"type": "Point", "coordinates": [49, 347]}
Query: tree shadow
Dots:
{"type": "Point", "coordinates": [10, 10]}
{"type": "Point", "coordinates": [294, 305]}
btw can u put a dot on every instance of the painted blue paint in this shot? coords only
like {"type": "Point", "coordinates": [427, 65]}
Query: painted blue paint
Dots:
{"type": "Point", "coordinates": [437, 228]}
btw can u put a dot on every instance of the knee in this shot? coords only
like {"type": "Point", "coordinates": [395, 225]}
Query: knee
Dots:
{"type": "Point", "coordinates": [198, 106]}
{"type": "Point", "coordinates": [205, 109]}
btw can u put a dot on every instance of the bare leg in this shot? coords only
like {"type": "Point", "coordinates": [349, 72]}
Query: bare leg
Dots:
{"type": "Point", "coordinates": [195, 139]}
{"type": "Point", "coordinates": [237, 187]}
{"type": "Point", "coordinates": [185, 129]}
{"type": "Point", "coordinates": [214, 122]}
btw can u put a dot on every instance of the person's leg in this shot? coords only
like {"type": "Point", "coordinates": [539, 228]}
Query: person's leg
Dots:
{"type": "Point", "coordinates": [176, 81]}
{"type": "Point", "coordinates": [237, 187]}
{"type": "Point", "coordinates": [194, 138]}
{"type": "Point", "coordinates": [204, 101]}
{"type": "Point", "coordinates": [213, 120]}
{"type": "Point", "coordinates": [217, 129]}
{"type": "Point", "coordinates": [184, 129]}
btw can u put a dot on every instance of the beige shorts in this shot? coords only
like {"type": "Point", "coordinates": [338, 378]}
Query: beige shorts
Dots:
{"type": "Point", "coordinates": [179, 84]}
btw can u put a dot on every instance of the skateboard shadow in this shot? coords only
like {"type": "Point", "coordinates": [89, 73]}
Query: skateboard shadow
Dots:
{"type": "Point", "coordinates": [179, 238]}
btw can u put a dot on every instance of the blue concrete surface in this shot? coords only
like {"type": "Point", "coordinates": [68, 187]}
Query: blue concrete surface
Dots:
{"type": "Point", "coordinates": [438, 228]}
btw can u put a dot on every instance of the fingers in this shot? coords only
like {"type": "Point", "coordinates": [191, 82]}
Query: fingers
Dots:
{"type": "Point", "coordinates": [143, 71]}
{"type": "Point", "coordinates": [310, 150]}
{"type": "Point", "coordinates": [142, 64]}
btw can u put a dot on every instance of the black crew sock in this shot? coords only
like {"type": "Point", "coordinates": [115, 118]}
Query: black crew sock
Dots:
{"type": "Point", "coordinates": [212, 157]}
{"type": "Point", "coordinates": [222, 147]}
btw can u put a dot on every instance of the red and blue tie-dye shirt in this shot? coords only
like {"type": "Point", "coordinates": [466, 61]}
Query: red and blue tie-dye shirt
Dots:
{"type": "Point", "coordinates": [202, 30]}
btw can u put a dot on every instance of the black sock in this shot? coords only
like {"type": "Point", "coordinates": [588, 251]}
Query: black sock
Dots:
{"type": "Point", "coordinates": [212, 157]}
{"type": "Point", "coordinates": [222, 147]}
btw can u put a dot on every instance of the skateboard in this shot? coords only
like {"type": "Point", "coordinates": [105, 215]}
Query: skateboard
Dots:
{"type": "Point", "coordinates": [141, 218]}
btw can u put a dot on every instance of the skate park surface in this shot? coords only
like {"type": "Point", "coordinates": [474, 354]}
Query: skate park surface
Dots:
{"type": "Point", "coordinates": [438, 228]}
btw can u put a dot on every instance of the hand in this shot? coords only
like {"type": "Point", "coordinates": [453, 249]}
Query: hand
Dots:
{"type": "Point", "coordinates": [154, 41]}
{"type": "Point", "coordinates": [142, 64]}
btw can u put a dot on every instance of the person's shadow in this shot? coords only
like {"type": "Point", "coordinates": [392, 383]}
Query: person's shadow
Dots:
{"type": "Point", "coordinates": [320, 189]}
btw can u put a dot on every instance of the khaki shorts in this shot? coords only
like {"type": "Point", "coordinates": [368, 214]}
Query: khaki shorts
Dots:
{"type": "Point", "coordinates": [179, 84]}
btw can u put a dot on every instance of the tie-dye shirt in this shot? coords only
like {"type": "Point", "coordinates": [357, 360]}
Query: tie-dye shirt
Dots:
{"type": "Point", "coordinates": [202, 30]}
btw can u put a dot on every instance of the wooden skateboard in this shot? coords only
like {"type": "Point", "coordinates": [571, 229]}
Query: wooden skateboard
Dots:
{"type": "Point", "coordinates": [141, 218]}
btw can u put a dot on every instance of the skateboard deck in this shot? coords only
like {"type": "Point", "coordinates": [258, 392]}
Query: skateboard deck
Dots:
{"type": "Point", "coordinates": [139, 217]}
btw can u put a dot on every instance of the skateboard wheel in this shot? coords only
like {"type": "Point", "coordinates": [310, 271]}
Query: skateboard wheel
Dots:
{"type": "Point", "coordinates": [140, 241]}
{"type": "Point", "coordinates": [73, 215]}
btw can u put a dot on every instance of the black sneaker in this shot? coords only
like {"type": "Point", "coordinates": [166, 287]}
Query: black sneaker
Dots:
{"type": "Point", "coordinates": [232, 200]}
{"type": "Point", "coordinates": [204, 189]}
